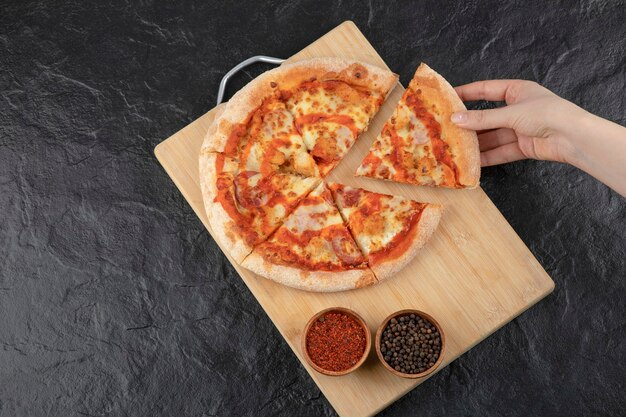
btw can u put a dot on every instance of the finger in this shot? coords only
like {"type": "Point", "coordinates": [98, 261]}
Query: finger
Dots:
{"type": "Point", "coordinates": [493, 138]}
{"type": "Point", "coordinates": [501, 155]}
{"type": "Point", "coordinates": [481, 131]}
{"type": "Point", "coordinates": [491, 90]}
{"type": "Point", "coordinates": [486, 119]}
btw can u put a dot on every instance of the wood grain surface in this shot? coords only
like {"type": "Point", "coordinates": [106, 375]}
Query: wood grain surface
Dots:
{"type": "Point", "coordinates": [473, 276]}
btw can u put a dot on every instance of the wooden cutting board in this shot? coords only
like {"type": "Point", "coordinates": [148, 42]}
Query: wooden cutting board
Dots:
{"type": "Point", "coordinates": [473, 276]}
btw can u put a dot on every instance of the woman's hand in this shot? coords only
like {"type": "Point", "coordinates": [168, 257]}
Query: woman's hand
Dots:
{"type": "Point", "coordinates": [538, 124]}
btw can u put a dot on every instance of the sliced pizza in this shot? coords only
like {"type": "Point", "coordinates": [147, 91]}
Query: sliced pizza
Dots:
{"type": "Point", "coordinates": [245, 207]}
{"type": "Point", "coordinates": [389, 230]}
{"type": "Point", "coordinates": [262, 161]}
{"type": "Point", "coordinates": [266, 141]}
{"type": "Point", "coordinates": [331, 114]}
{"type": "Point", "coordinates": [315, 107]}
{"type": "Point", "coordinates": [419, 144]}
{"type": "Point", "coordinates": [313, 249]}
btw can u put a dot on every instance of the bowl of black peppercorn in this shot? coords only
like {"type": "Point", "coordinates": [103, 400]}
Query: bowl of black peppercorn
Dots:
{"type": "Point", "coordinates": [410, 343]}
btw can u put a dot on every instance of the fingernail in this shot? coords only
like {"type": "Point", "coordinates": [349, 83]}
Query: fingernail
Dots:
{"type": "Point", "coordinates": [460, 117]}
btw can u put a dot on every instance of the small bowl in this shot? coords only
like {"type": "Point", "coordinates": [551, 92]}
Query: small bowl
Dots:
{"type": "Point", "coordinates": [423, 315]}
{"type": "Point", "coordinates": [368, 340]}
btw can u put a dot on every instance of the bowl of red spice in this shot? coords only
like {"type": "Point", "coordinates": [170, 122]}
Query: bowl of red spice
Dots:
{"type": "Point", "coordinates": [336, 341]}
{"type": "Point", "coordinates": [410, 343]}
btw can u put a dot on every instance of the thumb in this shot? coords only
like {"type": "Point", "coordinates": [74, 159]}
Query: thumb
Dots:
{"type": "Point", "coordinates": [485, 119]}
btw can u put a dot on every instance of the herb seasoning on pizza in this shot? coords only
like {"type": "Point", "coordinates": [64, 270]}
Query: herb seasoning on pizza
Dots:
{"type": "Point", "coordinates": [419, 144]}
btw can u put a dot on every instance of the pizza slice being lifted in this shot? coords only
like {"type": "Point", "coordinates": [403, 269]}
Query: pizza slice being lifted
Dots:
{"type": "Point", "coordinates": [245, 207]}
{"type": "Point", "coordinates": [313, 249]}
{"type": "Point", "coordinates": [419, 144]}
{"type": "Point", "coordinates": [389, 230]}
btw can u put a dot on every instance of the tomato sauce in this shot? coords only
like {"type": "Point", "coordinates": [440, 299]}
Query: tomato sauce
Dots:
{"type": "Point", "coordinates": [247, 205]}
{"type": "Point", "coordinates": [351, 197]}
{"type": "Point", "coordinates": [235, 138]}
{"type": "Point", "coordinates": [400, 243]}
{"type": "Point", "coordinates": [280, 249]}
{"type": "Point", "coordinates": [398, 157]}
{"type": "Point", "coordinates": [440, 149]}
{"type": "Point", "coordinates": [312, 118]}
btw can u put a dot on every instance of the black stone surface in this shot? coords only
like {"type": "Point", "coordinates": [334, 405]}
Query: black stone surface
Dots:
{"type": "Point", "coordinates": [114, 301]}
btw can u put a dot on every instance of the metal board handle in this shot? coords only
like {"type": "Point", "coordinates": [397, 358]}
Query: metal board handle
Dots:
{"type": "Point", "coordinates": [236, 68]}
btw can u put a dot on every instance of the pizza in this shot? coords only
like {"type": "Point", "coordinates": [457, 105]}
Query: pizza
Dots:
{"type": "Point", "coordinates": [330, 115]}
{"type": "Point", "coordinates": [301, 117]}
{"type": "Point", "coordinates": [419, 144]}
{"type": "Point", "coordinates": [312, 249]}
{"type": "Point", "coordinates": [389, 230]}
{"type": "Point", "coordinates": [266, 141]}
{"type": "Point", "coordinates": [264, 159]}
{"type": "Point", "coordinates": [254, 163]}
{"type": "Point", "coordinates": [245, 207]}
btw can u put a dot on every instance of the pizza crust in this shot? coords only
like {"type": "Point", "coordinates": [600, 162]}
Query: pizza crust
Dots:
{"type": "Point", "coordinates": [463, 140]}
{"type": "Point", "coordinates": [318, 281]}
{"type": "Point", "coordinates": [288, 76]}
{"type": "Point", "coordinates": [427, 224]}
{"type": "Point", "coordinates": [236, 111]}
{"type": "Point", "coordinates": [220, 222]}
{"type": "Point", "coordinates": [212, 130]}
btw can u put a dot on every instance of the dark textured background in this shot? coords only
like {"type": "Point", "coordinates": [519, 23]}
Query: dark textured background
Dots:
{"type": "Point", "coordinates": [114, 301]}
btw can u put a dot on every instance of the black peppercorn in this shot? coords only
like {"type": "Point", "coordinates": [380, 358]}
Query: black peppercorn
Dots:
{"type": "Point", "coordinates": [410, 344]}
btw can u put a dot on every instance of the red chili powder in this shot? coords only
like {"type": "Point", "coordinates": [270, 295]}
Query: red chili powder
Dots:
{"type": "Point", "coordinates": [335, 342]}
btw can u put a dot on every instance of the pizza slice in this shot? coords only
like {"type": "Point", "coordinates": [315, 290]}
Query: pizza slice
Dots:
{"type": "Point", "coordinates": [315, 107]}
{"type": "Point", "coordinates": [419, 144]}
{"type": "Point", "coordinates": [313, 249]}
{"type": "Point", "coordinates": [330, 114]}
{"type": "Point", "coordinates": [265, 141]}
{"type": "Point", "coordinates": [245, 207]}
{"type": "Point", "coordinates": [389, 230]}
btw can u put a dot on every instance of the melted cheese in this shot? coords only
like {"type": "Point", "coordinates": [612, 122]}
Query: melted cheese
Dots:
{"type": "Point", "coordinates": [412, 146]}
{"type": "Point", "coordinates": [330, 115]}
{"type": "Point", "coordinates": [307, 217]}
{"type": "Point", "coordinates": [327, 140]}
{"type": "Point", "coordinates": [262, 202]}
{"type": "Point", "coordinates": [334, 98]}
{"type": "Point", "coordinates": [420, 162]}
{"type": "Point", "coordinates": [314, 237]}
{"type": "Point", "coordinates": [374, 230]}
{"type": "Point", "coordinates": [275, 145]}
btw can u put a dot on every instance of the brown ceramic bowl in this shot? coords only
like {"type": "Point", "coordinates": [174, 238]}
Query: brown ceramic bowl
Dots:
{"type": "Point", "coordinates": [368, 340]}
{"type": "Point", "coordinates": [400, 313]}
